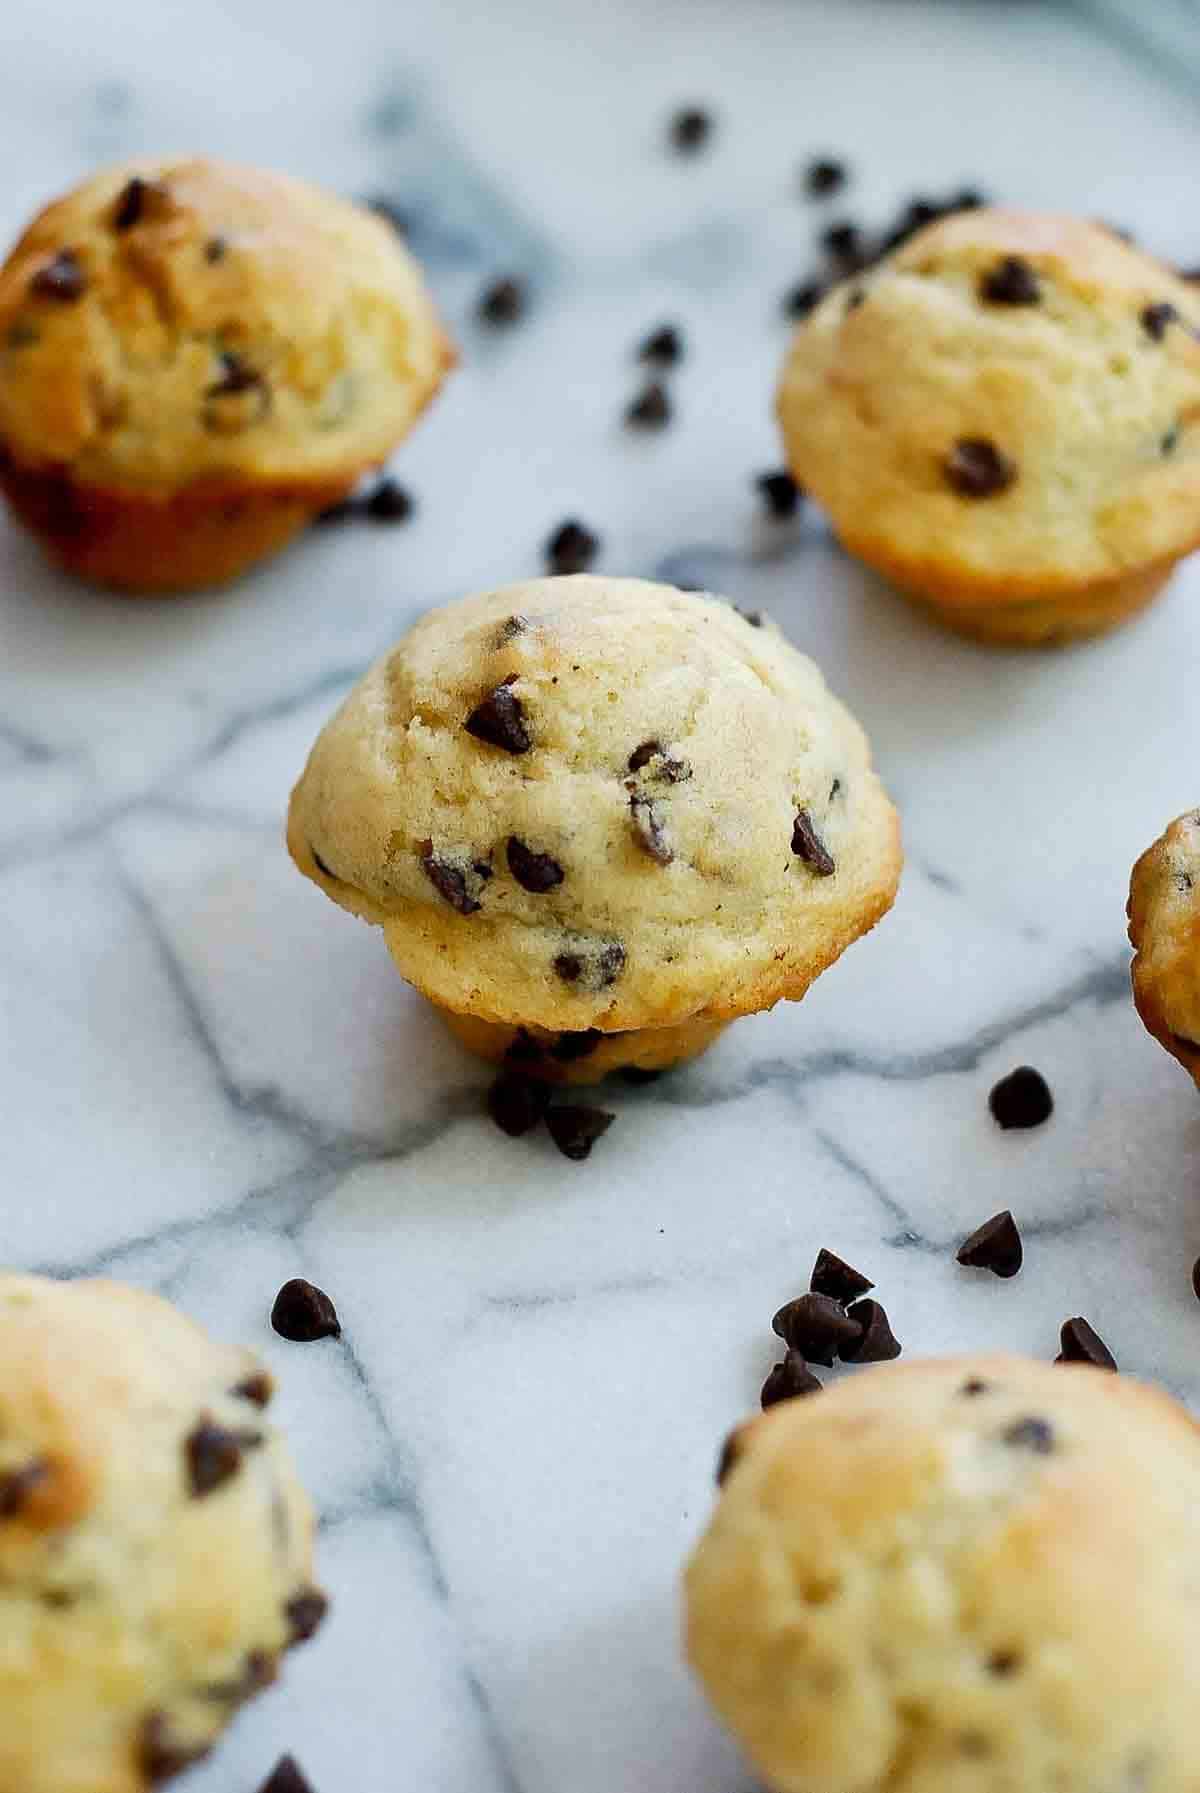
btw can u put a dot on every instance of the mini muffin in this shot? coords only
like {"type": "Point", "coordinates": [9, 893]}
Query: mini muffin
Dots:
{"type": "Point", "coordinates": [155, 1545]}
{"type": "Point", "coordinates": [1003, 418]}
{"type": "Point", "coordinates": [597, 819]}
{"type": "Point", "coordinates": [195, 359]}
{"type": "Point", "coordinates": [1164, 927]}
{"type": "Point", "coordinates": [978, 1574]}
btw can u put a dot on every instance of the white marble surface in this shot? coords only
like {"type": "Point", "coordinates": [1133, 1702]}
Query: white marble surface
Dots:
{"type": "Point", "coordinates": [212, 1080]}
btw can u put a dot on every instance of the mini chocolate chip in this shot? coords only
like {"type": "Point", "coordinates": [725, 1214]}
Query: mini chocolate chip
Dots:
{"type": "Point", "coordinates": [257, 1389]}
{"type": "Point", "coordinates": [388, 502]}
{"type": "Point", "coordinates": [236, 376]}
{"type": "Point", "coordinates": [799, 300]}
{"type": "Point", "coordinates": [17, 1485]}
{"type": "Point", "coordinates": [640, 1075]}
{"type": "Point", "coordinates": [976, 468]}
{"type": "Point", "coordinates": [824, 176]}
{"type": "Point", "coordinates": [780, 494]}
{"type": "Point", "coordinates": [61, 278]}
{"type": "Point", "coordinates": [1081, 1343]}
{"type": "Point", "coordinates": [994, 1246]}
{"type": "Point", "coordinates": [21, 336]}
{"type": "Point", "coordinates": [835, 789]}
{"type": "Point", "coordinates": [731, 1450]}
{"type": "Point", "coordinates": [500, 721]}
{"type": "Point", "coordinates": [663, 347]}
{"type": "Point", "coordinates": [596, 970]}
{"type": "Point", "coordinates": [664, 764]}
{"type": "Point", "coordinates": [691, 128]}
{"type": "Point", "coordinates": [808, 846]}
{"type": "Point", "coordinates": [1011, 282]}
{"type": "Point", "coordinates": [854, 298]}
{"type": "Point", "coordinates": [213, 1454]}
{"type": "Point", "coordinates": [1155, 318]}
{"type": "Point", "coordinates": [575, 1129]}
{"type": "Point", "coordinates": [571, 549]}
{"type": "Point", "coordinates": [305, 1612]}
{"type": "Point", "coordinates": [215, 250]}
{"type": "Point", "coordinates": [1031, 1434]}
{"type": "Point", "coordinates": [321, 865]}
{"type": "Point", "coordinates": [789, 1378]}
{"type": "Point", "coordinates": [537, 872]}
{"type": "Point", "coordinates": [649, 829]}
{"type": "Point", "coordinates": [841, 240]}
{"type": "Point", "coordinates": [159, 1755]}
{"type": "Point", "coordinates": [1003, 1662]}
{"type": "Point", "coordinates": [517, 1103]}
{"type": "Point", "coordinates": [818, 1327]}
{"type": "Point", "coordinates": [832, 1276]}
{"type": "Point", "coordinates": [974, 1385]}
{"type": "Point", "coordinates": [1170, 441]}
{"type": "Point", "coordinates": [651, 409]}
{"type": "Point", "coordinates": [878, 1343]}
{"type": "Point", "coordinates": [503, 302]}
{"type": "Point", "coordinates": [286, 1777]}
{"type": "Point", "coordinates": [523, 1049]}
{"type": "Point", "coordinates": [1022, 1099]}
{"type": "Point", "coordinates": [302, 1313]}
{"type": "Point", "coordinates": [568, 1048]}
{"type": "Point", "coordinates": [450, 881]}
{"type": "Point", "coordinates": [130, 203]}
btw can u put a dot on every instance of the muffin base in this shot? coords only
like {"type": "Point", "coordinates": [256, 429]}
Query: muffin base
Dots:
{"type": "Point", "coordinates": [1052, 619]}
{"type": "Point", "coordinates": [643, 1049]}
{"type": "Point", "coordinates": [146, 546]}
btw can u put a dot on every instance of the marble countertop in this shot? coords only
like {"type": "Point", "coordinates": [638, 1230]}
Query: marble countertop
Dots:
{"type": "Point", "coordinates": [212, 1079]}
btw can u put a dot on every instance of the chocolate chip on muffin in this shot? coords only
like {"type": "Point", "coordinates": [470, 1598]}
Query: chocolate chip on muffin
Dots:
{"type": "Point", "coordinates": [808, 846]}
{"type": "Point", "coordinates": [976, 468]}
{"type": "Point", "coordinates": [650, 829]}
{"type": "Point", "coordinates": [61, 278]}
{"type": "Point", "coordinates": [1156, 318]}
{"type": "Point", "coordinates": [537, 872]}
{"type": "Point", "coordinates": [1011, 282]}
{"type": "Point", "coordinates": [499, 719]}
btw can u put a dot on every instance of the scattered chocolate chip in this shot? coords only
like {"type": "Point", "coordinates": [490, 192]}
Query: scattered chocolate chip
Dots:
{"type": "Point", "coordinates": [575, 1129]}
{"type": "Point", "coordinates": [640, 1075]}
{"type": "Point", "coordinates": [571, 549]}
{"type": "Point", "coordinates": [731, 1450]}
{"type": "Point", "coordinates": [236, 375]}
{"type": "Point", "coordinates": [594, 968]}
{"type": "Point", "coordinates": [854, 298]}
{"type": "Point", "coordinates": [537, 872]}
{"type": "Point", "coordinates": [500, 721]}
{"type": "Point", "coordinates": [832, 1276]}
{"type": "Point", "coordinates": [1022, 1099]}
{"type": "Point", "coordinates": [257, 1388]}
{"type": "Point", "coordinates": [1031, 1434]}
{"type": "Point", "coordinates": [663, 347]}
{"type": "Point", "coordinates": [159, 1755]}
{"type": "Point", "coordinates": [1003, 1662]}
{"type": "Point", "coordinates": [569, 1048]}
{"type": "Point", "coordinates": [799, 300]}
{"type": "Point", "coordinates": [1170, 441]}
{"type": "Point", "coordinates": [691, 128]}
{"type": "Point", "coordinates": [130, 204]}
{"type": "Point", "coordinates": [302, 1313]}
{"type": "Point", "coordinates": [452, 881]}
{"type": "Point", "coordinates": [305, 1612]}
{"type": "Point", "coordinates": [664, 764]}
{"type": "Point", "coordinates": [523, 1049]}
{"type": "Point", "coordinates": [517, 1103]}
{"type": "Point", "coordinates": [974, 1385]}
{"type": "Point", "coordinates": [808, 846]}
{"type": "Point", "coordinates": [976, 468]}
{"type": "Point", "coordinates": [341, 512]}
{"type": "Point", "coordinates": [818, 1327]}
{"type": "Point", "coordinates": [918, 213]}
{"type": "Point", "coordinates": [1011, 282]}
{"type": "Point", "coordinates": [286, 1777]}
{"type": "Point", "coordinates": [1155, 318]}
{"type": "Point", "coordinates": [388, 502]}
{"type": "Point", "coordinates": [215, 250]}
{"type": "Point", "coordinates": [213, 1454]}
{"type": "Point", "coordinates": [61, 278]}
{"type": "Point", "coordinates": [649, 829]}
{"type": "Point", "coordinates": [878, 1343]}
{"type": "Point", "coordinates": [651, 409]}
{"type": "Point", "coordinates": [503, 302]}
{"type": "Point", "coordinates": [841, 241]}
{"type": "Point", "coordinates": [780, 494]}
{"type": "Point", "coordinates": [17, 1485]}
{"type": "Point", "coordinates": [824, 176]}
{"type": "Point", "coordinates": [790, 1377]}
{"type": "Point", "coordinates": [994, 1246]}
{"type": "Point", "coordinates": [1081, 1343]}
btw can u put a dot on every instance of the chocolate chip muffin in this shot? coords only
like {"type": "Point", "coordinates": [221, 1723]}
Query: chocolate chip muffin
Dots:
{"type": "Point", "coordinates": [1164, 927]}
{"type": "Point", "coordinates": [597, 819]}
{"type": "Point", "coordinates": [979, 1573]}
{"type": "Point", "coordinates": [1003, 418]}
{"type": "Point", "coordinates": [196, 358]}
{"type": "Point", "coordinates": [155, 1545]}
